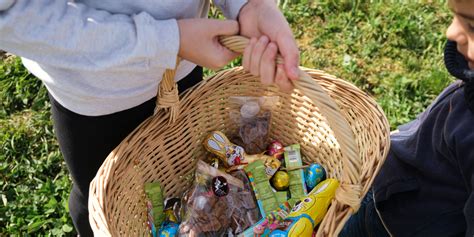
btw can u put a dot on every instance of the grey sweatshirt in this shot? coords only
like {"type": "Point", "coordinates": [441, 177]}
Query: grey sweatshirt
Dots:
{"type": "Point", "coordinates": [98, 57]}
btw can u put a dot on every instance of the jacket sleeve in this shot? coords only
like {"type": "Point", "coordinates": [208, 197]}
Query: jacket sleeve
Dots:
{"type": "Point", "coordinates": [74, 36]}
{"type": "Point", "coordinates": [465, 155]}
{"type": "Point", "coordinates": [230, 8]}
{"type": "Point", "coordinates": [460, 134]}
{"type": "Point", "coordinates": [469, 208]}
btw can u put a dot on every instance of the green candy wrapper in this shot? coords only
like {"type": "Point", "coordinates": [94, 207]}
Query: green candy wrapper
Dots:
{"type": "Point", "coordinates": [265, 195]}
{"type": "Point", "coordinates": [281, 196]}
{"type": "Point", "coordinates": [297, 183]}
{"type": "Point", "coordinates": [295, 178]}
{"type": "Point", "coordinates": [155, 197]}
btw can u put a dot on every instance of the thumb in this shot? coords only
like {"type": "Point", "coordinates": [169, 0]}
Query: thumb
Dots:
{"type": "Point", "coordinates": [225, 27]}
{"type": "Point", "coordinates": [216, 28]}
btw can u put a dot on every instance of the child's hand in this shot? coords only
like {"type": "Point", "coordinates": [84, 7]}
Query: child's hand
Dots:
{"type": "Point", "coordinates": [259, 59]}
{"type": "Point", "coordinates": [262, 17]}
{"type": "Point", "coordinates": [199, 41]}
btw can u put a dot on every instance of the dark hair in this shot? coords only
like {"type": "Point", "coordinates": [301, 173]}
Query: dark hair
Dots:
{"type": "Point", "coordinates": [457, 66]}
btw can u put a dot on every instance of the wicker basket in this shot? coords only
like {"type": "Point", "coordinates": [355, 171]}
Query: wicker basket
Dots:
{"type": "Point", "coordinates": [346, 132]}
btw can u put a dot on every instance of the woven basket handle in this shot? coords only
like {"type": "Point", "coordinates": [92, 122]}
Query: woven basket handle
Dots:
{"type": "Point", "coordinates": [350, 191]}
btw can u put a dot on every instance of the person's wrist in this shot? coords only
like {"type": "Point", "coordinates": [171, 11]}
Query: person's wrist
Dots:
{"type": "Point", "coordinates": [240, 11]}
{"type": "Point", "coordinates": [252, 5]}
{"type": "Point", "coordinates": [180, 30]}
{"type": "Point", "coordinates": [182, 26]}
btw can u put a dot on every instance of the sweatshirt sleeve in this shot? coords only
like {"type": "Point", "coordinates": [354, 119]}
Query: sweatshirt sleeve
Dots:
{"type": "Point", "coordinates": [230, 8]}
{"type": "Point", "coordinates": [74, 36]}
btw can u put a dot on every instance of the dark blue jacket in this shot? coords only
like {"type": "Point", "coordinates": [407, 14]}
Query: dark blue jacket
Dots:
{"type": "Point", "coordinates": [425, 187]}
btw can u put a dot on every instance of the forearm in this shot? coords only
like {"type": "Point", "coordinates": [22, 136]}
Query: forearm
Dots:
{"type": "Point", "coordinates": [75, 36]}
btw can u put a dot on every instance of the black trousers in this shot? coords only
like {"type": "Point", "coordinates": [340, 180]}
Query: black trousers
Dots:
{"type": "Point", "coordinates": [85, 142]}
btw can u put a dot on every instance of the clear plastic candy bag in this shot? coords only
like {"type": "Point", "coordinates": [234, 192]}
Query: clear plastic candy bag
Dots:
{"type": "Point", "coordinates": [253, 118]}
{"type": "Point", "coordinates": [219, 204]}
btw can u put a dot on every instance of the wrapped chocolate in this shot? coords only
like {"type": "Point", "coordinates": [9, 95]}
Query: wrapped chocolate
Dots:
{"type": "Point", "coordinates": [282, 196]}
{"type": "Point", "coordinates": [297, 184]}
{"type": "Point", "coordinates": [308, 212]}
{"type": "Point", "coordinates": [271, 222]}
{"type": "Point", "coordinates": [266, 198]}
{"type": "Point", "coordinates": [253, 118]}
{"type": "Point", "coordinates": [218, 205]}
{"type": "Point", "coordinates": [173, 210]}
{"type": "Point", "coordinates": [154, 202]}
{"type": "Point", "coordinates": [233, 155]}
{"type": "Point", "coordinates": [280, 180]}
{"type": "Point", "coordinates": [314, 174]}
{"type": "Point", "coordinates": [276, 149]}
{"type": "Point", "coordinates": [169, 229]}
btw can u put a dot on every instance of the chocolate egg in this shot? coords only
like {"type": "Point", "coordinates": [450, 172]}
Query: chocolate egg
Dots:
{"type": "Point", "coordinates": [276, 149]}
{"type": "Point", "coordinates": [314, 174]}
{"type": "Point", "coordinates": [220, 187]}
{"type": "Point", "coordinates": [169, 228]}
{"type": "Point", "coordinates": [280, 181]}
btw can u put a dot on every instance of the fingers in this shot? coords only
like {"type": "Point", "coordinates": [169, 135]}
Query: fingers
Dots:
{"type": "Point", "coordinates": [267, 71]}
{"type": "Point", "coordinates": [225, 27]}
{"type": "Point", "coordinates": [256, 56]}
{"type": "Point", "coordinates": [247, 54]}
{"type": "Point", "coordinates": [198, 41]}
{"type": "Point", "coordinates": [223, 56]}
{"type": "Point", "coordinates": [259, 58]}
{"type": "Point", "coordinates": [290, 53]}
{"type": "Point", "coordinates": [282, 80]}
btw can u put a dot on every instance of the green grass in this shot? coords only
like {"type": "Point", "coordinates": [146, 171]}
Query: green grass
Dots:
{"type": "Point", "coordinates": [391, 51]}
{"type": "Point", "coordinates": [33, 178]}
{"type": "Point", "coordinates": [394, 52]}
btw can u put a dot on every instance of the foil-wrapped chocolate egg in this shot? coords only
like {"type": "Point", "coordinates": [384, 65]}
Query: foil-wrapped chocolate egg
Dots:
{"type": "Point", "coordinates": [280, 180]}
{"type": "Point", "coordinates": [169, 228]}
{"type": "Point", "coordinates": [314, 174]}
{"type": "Point", "coordinates": [276, 149]}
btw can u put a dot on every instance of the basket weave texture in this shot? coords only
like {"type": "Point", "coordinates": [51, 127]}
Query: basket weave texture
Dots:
{"type": "Point", "coordinates": [336, 124]}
